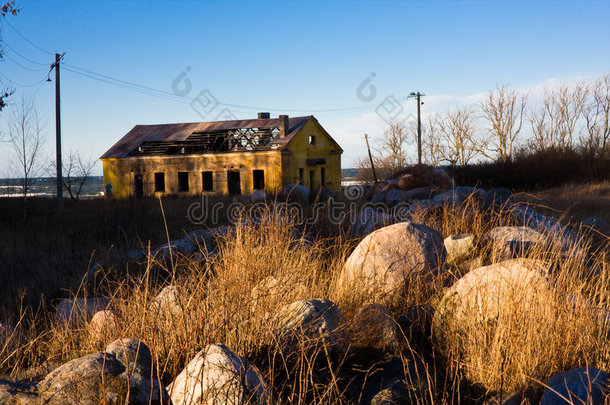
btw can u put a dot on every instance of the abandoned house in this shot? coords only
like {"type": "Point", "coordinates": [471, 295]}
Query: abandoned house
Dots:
{"type": "Point", "coordinates": [223, 157]}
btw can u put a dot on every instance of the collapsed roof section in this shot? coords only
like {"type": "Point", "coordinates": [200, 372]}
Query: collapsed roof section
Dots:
{"type": "Point", "coordinates": [208, 137]}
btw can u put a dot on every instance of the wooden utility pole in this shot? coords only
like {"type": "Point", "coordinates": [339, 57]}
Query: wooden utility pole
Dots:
{"type": "Point", "coordinates": [58, 131]}
{"type": "Point", "coordinates": [418, 96]}
{"type": "Point", "coordinates": [366, 138]}
{"type": "Point", "coordinates": [418, 128]}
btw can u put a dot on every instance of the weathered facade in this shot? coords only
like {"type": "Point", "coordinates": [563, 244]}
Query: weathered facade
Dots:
{"type": "Point", "coordinates": [223, 157]}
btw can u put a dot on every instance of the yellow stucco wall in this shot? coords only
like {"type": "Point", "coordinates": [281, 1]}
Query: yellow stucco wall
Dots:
{"type": "Point", "coordinates": [121, 172]}
{"type": "Point", "coordinates": [295, 156]}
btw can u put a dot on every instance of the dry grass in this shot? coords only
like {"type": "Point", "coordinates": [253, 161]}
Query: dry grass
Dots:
{"type": "Point", "coordinates": [520, 346]}
{"type": "Point", "coordinates": [575, 202]}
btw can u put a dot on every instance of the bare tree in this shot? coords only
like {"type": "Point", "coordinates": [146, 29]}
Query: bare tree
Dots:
{"type": "Point", "coordinates": [503, 110]}
{"type": "Point", "coordinates": [554, 123]}
{"type": "Point", "coordinates": [456, 134]}
{"type": "Point", "coordinates": [77, 172]}
{"type": "Point", "coordinates": [391, 152]}
{"type": "Point", "coordinates": [431, 143]}
{"type": "Point", "coordinates": [26, 139]}
{"type": "Point", "coordinates": [597, 117]}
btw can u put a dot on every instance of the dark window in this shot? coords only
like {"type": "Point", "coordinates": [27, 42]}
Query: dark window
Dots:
{"type": "Point", "coordinates": [138, 184]}
{"type": "Point", "coordinates": [207, 181]}
{"type": "Point", "coordinates": [301, 177]}
{"type": "Point", "coordinates": [160, 182]}
{"type": "Point", "coordinates": [183, 181]}
{"type": "Point", "coordinates": [312, 139]}
{"type": "Point", "coordinates": [258, 179]}
{"type": "Point", "coordinates": [234, 182]}
{"type": "Point", "coordinates": [323, 176]}
{"type": "Point", "coordinates": [311, 174]}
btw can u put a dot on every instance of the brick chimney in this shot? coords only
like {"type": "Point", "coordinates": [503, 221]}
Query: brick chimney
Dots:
{"type": "Point", "coordinates": [284, 126]}
{"type": "Point", "coordinates": [263, 115]}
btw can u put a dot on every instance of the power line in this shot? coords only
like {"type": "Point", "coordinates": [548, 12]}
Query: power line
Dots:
{"type": "Point", "coordinates": [24, 37]}
{"type": "Point", "coordinates": [137, 90]}
{"type": "Point", "coordinates": [4, 43]}
{"type": "Point", "coordinates": [185, 99]}
{"type": "Point", "coordinates": [23, 67]}
{"type": "Point", "coordinates": [19, 84]}
{"type": "Point", "coordinates": [124, 84]}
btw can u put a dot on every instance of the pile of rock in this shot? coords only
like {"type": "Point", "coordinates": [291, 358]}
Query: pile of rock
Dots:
{"type": "Point", "coordinates": [124, 373]}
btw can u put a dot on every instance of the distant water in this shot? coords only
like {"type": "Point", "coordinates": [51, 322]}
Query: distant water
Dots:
{"type": "Point", "coordinates": [46, 187]}
{"type": "Point", "coordinates": [94, 187]}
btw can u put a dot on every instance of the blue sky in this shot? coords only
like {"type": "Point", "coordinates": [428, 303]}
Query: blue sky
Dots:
{"type": "Point", "coordinates": [291, 57]}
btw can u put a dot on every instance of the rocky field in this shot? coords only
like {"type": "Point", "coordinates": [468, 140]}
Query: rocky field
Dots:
{"type": "Point", "coordinates": [421, 292]}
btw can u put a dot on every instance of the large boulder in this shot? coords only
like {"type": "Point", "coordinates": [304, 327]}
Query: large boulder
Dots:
{"type": "Point", "coordinates": [296, 192]}
{"type": "Point", "coordinates": [374, 326]}
{"type": "Point", "coordinates": [122, 374]}
{"type": "Point", "coordinates": [482, 294]}
{"type": "Point", "coordinates": [206, 240]}
{"type": "Point", "coordinates": [507, 242]}
{"type": "Point", "coordinates": [421, 208]}
{"type": "Point", "coordinates": [173, 249]}
{"type": "Point", "coordinates": [585, 385]}
{"type": "Point", "coordinates": [596, 223]}
{"type": "Point", "coordinates": [560, 237]}
{"type": "Point", "coordinates": [91, 379]}
{"type": "Point", "coordinates": [309, 319]}
{"type": "Point", "coordinates": [74, 309]}
{"type": "Point", "coordinates": [441, 179]}
{"type": "Point", "coordinates": [144, 385]}
{"type": "Point", "coordinates": [459, 194]}
{"type": "Point", "coordinates": [258, 196]}
{"type": "Point", "coordinates": [497, 198]}
{"type": "Point", "coordinates": [216, 375]}
{"type": "Point", "coordinates": [449, 197]}
{"type": "Point", "coordinates": [396, 196]}
{"type": "Point", "coordinates": [370, 218]}
{"type": "Point", "coordinates": [459, 246]}
{"type": "Point", "coordinates": [407, 182]}
{"type": "Point", "coordinates": [385, 260]}
{"type": "Point", "coordinates": [167, 304]}
{"type": "Point", "coordinates": [14, 393]}
{"type": "Point", "coordinates": [420, 193]}
{"type": "Point", "coordinates": [396, 394]}
{"type": "Point", "coordinates": [102, 324]}
{"type": "Point", "coordinates": [135, 256]}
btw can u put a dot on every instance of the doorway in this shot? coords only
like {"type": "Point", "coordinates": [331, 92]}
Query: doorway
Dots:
{"type": "Point", "coordinates": [234, 182]}
{"type": "Point", "coordinates": [258, 179]}
{"type": "Point", "coordinates": [138, 186]}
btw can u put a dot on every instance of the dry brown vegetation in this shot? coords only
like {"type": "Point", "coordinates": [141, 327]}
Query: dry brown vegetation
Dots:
{"type": "Point", "coordinates": [574, 202]}
{"type": "Point", "coordinates": [523, 345]}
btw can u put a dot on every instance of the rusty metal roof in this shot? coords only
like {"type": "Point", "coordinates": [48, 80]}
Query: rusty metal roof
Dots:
{"type": "Point", "coordinates": [180, 132]}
